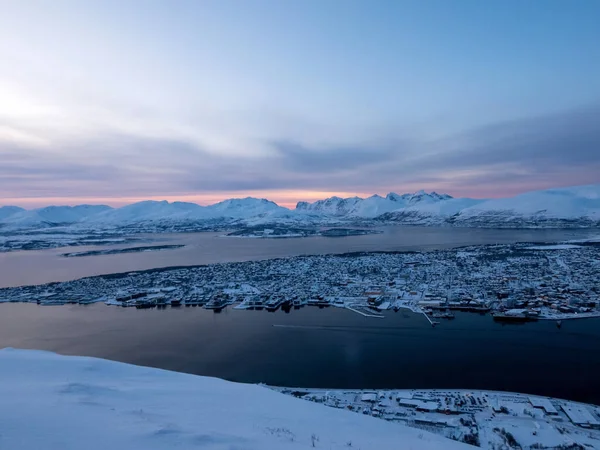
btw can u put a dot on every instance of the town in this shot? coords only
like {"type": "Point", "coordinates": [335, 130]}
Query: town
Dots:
{"type": "Point", "coordinates": [514, 283]}
{"type": "Point", "coordinates": [486, 419]}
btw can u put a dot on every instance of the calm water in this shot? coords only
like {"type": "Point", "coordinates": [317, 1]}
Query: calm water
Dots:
{"type": "Point", "coordinates": [328, 348]}
{"type": "Point", "coordinates": [36, 267]}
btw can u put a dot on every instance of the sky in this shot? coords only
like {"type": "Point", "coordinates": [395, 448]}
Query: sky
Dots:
{"type": "Point", "coordinates": [112, 101]}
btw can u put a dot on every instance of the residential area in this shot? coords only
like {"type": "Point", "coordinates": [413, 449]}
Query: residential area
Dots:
{"type": "Point", "coordinates": [514, 283]}
{"type": "Point", "coordinates": [487, 419]}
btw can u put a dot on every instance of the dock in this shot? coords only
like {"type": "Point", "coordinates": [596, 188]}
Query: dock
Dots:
{"type": "Point", "coordinates": [364, 314]}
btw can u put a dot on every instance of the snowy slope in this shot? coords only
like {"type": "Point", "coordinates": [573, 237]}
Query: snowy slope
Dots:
{"type": "Point", "coordinates": [430, 213]}
{"type": "Point", "coordinates": [8, 211]}
{"type": "Point", "coordinates": [370, 207]}
{"type": "Point", "coordinates": [55, 215]}
{"type": "Point", "coordinates": [54, 402]}
{"type": "Point", "coordinates": [332, 206]}
{"type": "Point", "coordinates": [374, 206]}
{"type": "Point", "coordinates": [286, 216]}
{"type": "Point", "coordinates": [177, 212]}
{"type": "Point", "coordinates": [150, 210]}
{"type": "Point", "coordinates": [421, 196]}
{"type": "Point", "coordinates": [576, 204]}
{"type": "Point", "coordinates": [244, 208]}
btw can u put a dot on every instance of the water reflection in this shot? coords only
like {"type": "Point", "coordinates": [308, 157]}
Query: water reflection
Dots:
{"type": "Point", "coordinates": [331, 348]}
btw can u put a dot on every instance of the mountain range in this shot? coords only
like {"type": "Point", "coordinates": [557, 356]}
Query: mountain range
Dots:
{"type": "Point", "coordinates": [563, 207]}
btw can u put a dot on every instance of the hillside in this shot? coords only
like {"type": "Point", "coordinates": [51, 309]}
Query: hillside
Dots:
{"type": "Point", "coordinates": [64, 402]}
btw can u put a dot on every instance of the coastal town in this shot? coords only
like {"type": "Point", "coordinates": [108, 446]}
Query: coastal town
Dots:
{"type": "Point", "coordinates": [513, 283]}
{"type": "Point", "coordinates": [487, 419]}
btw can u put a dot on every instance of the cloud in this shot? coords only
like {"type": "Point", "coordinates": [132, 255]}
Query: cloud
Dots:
{"type": "Point", "coordinates": [503, 158]}
{"type": "Point", "coordinates": [570, 138]}
{"type": "Point", "coordinates": [295, 156]}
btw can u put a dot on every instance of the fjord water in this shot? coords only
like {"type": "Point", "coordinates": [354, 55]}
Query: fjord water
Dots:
{"type": "Point", "coordinates": [310, 347]}
{"type": "Point", "coordinates": [327, 348]}
{"type": "Point", "coordinates": [43, 266]}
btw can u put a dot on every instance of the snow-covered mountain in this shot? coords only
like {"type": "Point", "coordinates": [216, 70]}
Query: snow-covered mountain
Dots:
{"type": "Point", "coordinates": [243, 208]}
{"type": "Point", "coordinates": [163, 211]}
{"type": "Point", "coordinates": [418, 197]}
{"type": "Point", "coordinates": [429, 212]}
{"type": "Point", "coordinates": [573, 206]}
{"type": "Point", "coordinates": [8, 211]}
{"type": "Point", "coordinates": [370, 207]}
{"type": "Point", "coordinates": [332, 206]}
{"type": "Point", "coordinates": [67, 402]}
{"type": "Point", "coordinates": [148, 211]}
{"type": "Point", "coordinates": [565, 207]}
{"type": "Point", "coordinates": [54, 215]}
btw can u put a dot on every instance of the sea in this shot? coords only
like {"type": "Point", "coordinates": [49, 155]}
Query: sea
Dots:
{"type": "Point", "coordinates": [307, 347]}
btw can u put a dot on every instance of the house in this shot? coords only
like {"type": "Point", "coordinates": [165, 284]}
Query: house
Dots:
{"type": "Point", "coordinates": [369, 398]}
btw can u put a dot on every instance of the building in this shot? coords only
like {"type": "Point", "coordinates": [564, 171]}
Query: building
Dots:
{"type": "Point", "coordinates": [580, 416]}
{"type": "Point", "coordinates": [370, 398]}
{"type": "Point", "coordinates": [544, 404]}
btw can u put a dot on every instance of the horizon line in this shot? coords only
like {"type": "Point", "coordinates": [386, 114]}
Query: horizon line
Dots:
{"type": "Point", "coordinates": [286, 199]}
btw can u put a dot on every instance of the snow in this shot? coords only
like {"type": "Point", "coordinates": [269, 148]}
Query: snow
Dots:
{"type": "Point", "coordinates": [580, 415]}
{"type": "Point", "coordinates": [443, 208]}
{"type": "Point", "coordinates": [371, 207]}
{"type": "Point", "coordinates": [543, 403]}
{"type": "Point", "coordinates": [150, 210]}
{"type": "Point", "coordinates": [244, 207]}
{"type": "Point", "coordinates": [553, 247]}
{"type": "Point", "coordinates": [54, 215]}
{"type": "Point", "coordinates": [574, 202]}
{"type": "Point", "coordinates": [64, 402]}
{"type": "Point", "coordinates": [533, 422]}
{"type": "Point", "coordinates": [575, 206]}
{"type": "Point", "coordinates": [8, 211]}
{"type": "Point", "coordinates": [590, 239]}
{"type": "Point", "coordinates": [332, 206]}
{"type": "Point", "coordinates": [447, 207]}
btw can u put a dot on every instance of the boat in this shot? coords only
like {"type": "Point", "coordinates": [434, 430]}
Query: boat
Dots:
{"type": "Point", "coordinates": [298, 302]}
{"type": "Point", "coordinates": [176, 302]}
{"type": "Point", "coordinates": [320, 302]}
{"type": "Point", "coordinates": [254, 304]}
{"type": "Point", "coordinates": [515, 318]}
{"type": "Point", "coordinates": [218, 302]}
{"type": "Point", "coordinates": [145, 304]}
{"type": "Point", "coordinates": [273, 303]}
{"type": "Point", "coordinates": [469, 308]}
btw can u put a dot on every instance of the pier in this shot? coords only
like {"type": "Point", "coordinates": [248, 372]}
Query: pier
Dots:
{"type": "Point", "coordinates": [362, 313]}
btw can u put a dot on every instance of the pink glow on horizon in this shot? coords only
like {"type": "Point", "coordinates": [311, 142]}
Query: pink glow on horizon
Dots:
{"type": "Point", "coordinates": [287, 199]}
{"type": "Point", "coordinates": [284, 198]}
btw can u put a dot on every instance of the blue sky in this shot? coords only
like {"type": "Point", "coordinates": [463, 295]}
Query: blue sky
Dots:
{"type": "Point", "coordinates": [114, 101]}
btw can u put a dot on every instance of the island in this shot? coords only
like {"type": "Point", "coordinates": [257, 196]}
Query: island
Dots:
{"type": "Point", "coordinates": [515, 283]}
{"type": "Point", "coordinates": [273, 232]}
{"type": "Point", "coordinates": [118, 251]}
